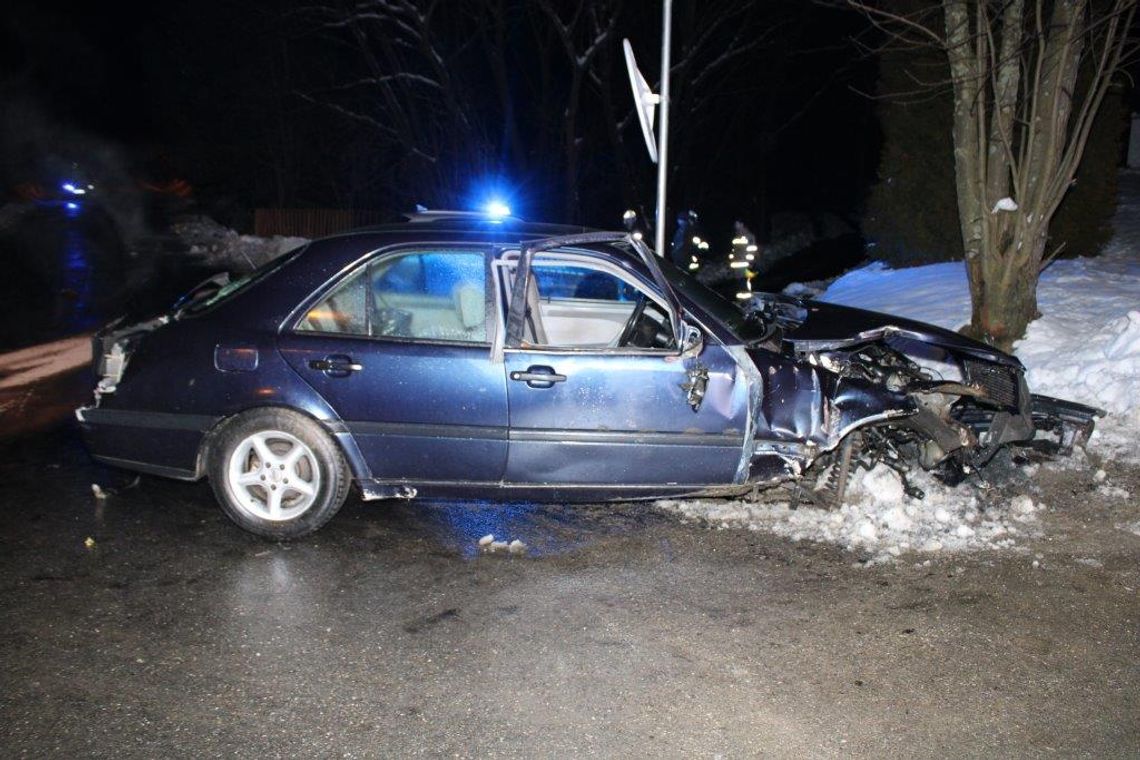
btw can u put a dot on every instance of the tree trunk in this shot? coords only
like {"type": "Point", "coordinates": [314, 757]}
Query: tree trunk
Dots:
{"type": "Point", "coordinates": [1005, 244]}
{"type": "Point", "coordinates": [1017, 139]}
{"type": "Point", "coordinates": [1002, 320]}
{"type": "Point", "coordinates": [1004, 297]}
{"type": "Point", "coordinates": [965, 132]}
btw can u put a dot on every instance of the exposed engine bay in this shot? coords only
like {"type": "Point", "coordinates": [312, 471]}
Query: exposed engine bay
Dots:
{"type": "Point", "coordinates": [954, 406]}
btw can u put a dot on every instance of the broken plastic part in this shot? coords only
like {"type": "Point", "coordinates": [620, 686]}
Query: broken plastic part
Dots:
{"type": "Point", "coordinates": [373, 491]}
{"type": "Point", "coordinates": [696, 385]}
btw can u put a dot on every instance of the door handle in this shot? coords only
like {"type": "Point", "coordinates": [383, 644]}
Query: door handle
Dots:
{"type": "Point", "coordinates": [539, 377]}
{"type": "Point", "coordinates": [336, 366]}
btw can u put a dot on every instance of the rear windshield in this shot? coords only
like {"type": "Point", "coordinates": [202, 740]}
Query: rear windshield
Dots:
{"type": "Point", "coordinates": [232, 288]}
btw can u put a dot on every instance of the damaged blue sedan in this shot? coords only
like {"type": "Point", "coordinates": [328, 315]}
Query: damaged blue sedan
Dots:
{"type": "Point", "coordinates": [457, 356]}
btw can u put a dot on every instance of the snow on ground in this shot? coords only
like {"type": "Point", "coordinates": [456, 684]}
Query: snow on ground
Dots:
{"type": "Point", "coordinates": [936, 293]}
{"type": "Point", "coordinates": [1085, 348]}
{"type": "Point", "coordinates": [880, 522]}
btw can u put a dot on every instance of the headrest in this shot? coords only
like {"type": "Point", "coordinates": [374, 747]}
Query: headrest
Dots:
{"type": "Point", "coordinates": [469, 304]}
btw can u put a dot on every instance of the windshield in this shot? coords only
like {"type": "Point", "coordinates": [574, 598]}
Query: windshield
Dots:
{"type": "Point", "coordinates": [236, 286]}
{"type": "Point", "coordinates": [749, 328]}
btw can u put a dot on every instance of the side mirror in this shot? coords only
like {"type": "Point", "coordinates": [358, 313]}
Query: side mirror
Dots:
{"type": "Point", "coordinates": [692, 340]}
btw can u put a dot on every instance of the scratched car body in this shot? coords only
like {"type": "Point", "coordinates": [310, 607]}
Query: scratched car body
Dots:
{"type": "Point", "coordinates": [454, 356]}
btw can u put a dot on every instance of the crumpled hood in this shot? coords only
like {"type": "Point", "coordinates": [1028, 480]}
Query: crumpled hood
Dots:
{"type": "Point", "coordinates": [819, 326]}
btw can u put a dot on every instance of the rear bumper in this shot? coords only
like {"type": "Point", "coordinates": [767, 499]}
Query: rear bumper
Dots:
{"type": "Point", "coordinates": [159, 443]}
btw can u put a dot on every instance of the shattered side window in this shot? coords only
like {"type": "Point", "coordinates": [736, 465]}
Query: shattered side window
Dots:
{"type": "Point", "coordinates": [429, 295]}
{"type": "Point", "coordinates": [344, 312]}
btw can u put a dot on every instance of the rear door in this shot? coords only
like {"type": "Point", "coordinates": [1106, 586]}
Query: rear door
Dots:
{"type": "Point", "coordinates": [400, 349]}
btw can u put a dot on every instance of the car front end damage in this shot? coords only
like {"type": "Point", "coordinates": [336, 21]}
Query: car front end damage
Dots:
{"type": "Point", "coordinates": [856, 389]}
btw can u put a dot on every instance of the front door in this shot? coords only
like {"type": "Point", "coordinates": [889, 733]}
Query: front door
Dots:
{"type": "Point", "coordinates": [596, 384]}
{"type": "Point", "coordinates": [399, 348]}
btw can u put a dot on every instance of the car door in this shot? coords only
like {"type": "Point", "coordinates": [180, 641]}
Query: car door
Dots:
{"type": "Point", "coordinates": [399, 348]}
{"type": "Point", "coordinates": [596, 399]}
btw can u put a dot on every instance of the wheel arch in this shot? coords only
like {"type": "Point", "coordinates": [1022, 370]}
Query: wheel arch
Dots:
{"type": "Point", "coordinates": [335, 429]}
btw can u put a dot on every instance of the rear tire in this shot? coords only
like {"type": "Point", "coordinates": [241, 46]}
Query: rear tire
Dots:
{"type": "Point", "coordinates": [277, 473]}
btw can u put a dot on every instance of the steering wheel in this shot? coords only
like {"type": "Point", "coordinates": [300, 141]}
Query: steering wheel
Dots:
{"type": "Point", "coordinates": [631, 325]}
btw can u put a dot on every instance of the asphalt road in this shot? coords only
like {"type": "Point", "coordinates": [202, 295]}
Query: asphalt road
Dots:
{"type": "Point", "coordinates": [621, 632]}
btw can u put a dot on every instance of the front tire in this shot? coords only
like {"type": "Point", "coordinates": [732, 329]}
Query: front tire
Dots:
{"type": "Point", "coordinates": [277, 474]}
{"type": "Point", "coordinates": [833, 472]}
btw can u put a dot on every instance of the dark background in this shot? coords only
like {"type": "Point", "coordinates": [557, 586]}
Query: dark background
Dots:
{"type": "Point", "coordinates": [785, 117]}
{"type": "Point", "coordinates": [237, 99]}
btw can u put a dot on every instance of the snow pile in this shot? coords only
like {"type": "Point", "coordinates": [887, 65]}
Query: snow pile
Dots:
{"type": "Point", "coordinates": [1085, 348]}
{"type": "Point", "coordinates": [226, 249]}
{"type": "Point", "coordinates": [879, 520]}
{"type": "Point", "coordinates": [935, 293]}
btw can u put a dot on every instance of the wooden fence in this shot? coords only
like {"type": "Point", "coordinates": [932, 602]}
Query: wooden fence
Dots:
{"type": "Point", "coordinates": [311, 222]}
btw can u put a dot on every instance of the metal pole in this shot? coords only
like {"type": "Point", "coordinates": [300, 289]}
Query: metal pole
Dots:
{"type": "Point", "coordinates": [663, 135]}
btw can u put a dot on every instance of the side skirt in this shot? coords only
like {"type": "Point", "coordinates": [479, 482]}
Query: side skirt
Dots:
{"type": "Point", "coordinates": [145, 467]}
{"type": "Point", "coordinates": [377, 490]}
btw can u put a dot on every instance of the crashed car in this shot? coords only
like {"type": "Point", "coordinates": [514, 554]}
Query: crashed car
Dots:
{"type": "Point", "coordinates": [458, 356]}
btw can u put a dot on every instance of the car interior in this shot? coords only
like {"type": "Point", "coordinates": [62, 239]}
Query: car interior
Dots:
{"type": "Point", "coordinates": [573, 301]}
{"type": "Point", "coordinates": [413, 296]}
{"type": "Point", "coordinates": [581, 303]}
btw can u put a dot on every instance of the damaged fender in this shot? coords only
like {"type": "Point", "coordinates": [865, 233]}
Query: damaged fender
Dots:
{"type": "Point", "coordinates": [803, 411]}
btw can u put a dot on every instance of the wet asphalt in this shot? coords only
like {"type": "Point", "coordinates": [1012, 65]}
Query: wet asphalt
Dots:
{"type": "Point", "coordinates": [620, 633]}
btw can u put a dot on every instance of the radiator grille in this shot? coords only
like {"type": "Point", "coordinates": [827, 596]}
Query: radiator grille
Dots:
{"type": "Point", "coordinates": [999, 383]}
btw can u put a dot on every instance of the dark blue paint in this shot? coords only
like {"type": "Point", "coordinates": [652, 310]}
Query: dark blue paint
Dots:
{"type": "Point", "coordinates": [416, 384]}
{"type": "Point", "coordinates": [617, 393]}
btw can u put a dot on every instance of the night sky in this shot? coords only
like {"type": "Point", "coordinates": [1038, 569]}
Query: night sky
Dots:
{"type": "Point", "coordinates": [195, 91]}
